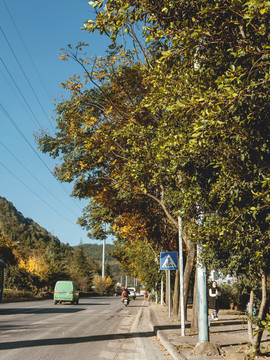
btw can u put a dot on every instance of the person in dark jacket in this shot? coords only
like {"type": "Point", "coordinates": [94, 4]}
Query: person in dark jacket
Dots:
{"type": "Point", "coordinates": [125, 293]}
{"type": "Point", "coordinates": [214, 294]}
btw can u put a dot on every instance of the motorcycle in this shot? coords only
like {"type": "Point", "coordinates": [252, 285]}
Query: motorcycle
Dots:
{"type": "Point", "coordinates": [126, 301]}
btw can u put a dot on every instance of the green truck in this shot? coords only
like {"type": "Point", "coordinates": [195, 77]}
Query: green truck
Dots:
{"type": "Point", "coordinates": [66, 291]}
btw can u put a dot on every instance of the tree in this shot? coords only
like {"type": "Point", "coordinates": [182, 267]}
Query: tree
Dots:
{"type": "Point", "coordinates": [185, 125]}
{"type": "Point", "coordinates": [6, 250]}
{"type": "Point", "coordinates": [81, 268]}
{"type": "Point", "coordinates": [103, 286]}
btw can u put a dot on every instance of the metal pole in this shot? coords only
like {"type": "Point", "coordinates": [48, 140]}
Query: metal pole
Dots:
{"type": "Point", "coordinates": [181, 271]}
{"type": "Point", "coordinates": [161, 291]}
{"type": "Point", "coordinates": [126, 280]}
{"type": "Point", "coordinates": [169, 287]}
{"type": "Point", "coordinates": [202, 299]}
{"type": "Point", "coordinates": [103, 258]}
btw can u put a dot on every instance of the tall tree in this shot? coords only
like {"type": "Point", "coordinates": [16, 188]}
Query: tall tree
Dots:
{"type": "Point", "coordinates": [184, 121]}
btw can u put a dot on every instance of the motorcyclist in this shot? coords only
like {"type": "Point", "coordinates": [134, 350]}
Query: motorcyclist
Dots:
{"type": "Point", "coordinates": [125, 293]}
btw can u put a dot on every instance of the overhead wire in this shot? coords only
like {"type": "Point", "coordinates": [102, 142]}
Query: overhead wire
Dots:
{"type": "Point", "coordinates": [28, 106]}
{"type": "Point", "coordinates": [37, 180]}
{"type": "Point", "coordinates": [17, 87]}
{"type": "Point", "coordinates": [32, 148]}
{"type": "Point", "coordinates": [13, 90]}
{"type": "Point", "coordinates": [26, 77]}
{"type": "Point", "coordinates": [37, 195]}
{"type": "Point", "coordinates": [28, 53]}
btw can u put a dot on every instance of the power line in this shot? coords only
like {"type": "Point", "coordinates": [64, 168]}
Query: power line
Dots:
{"type": "Point", "coordinates": [36, 194]}
{"type": "Point", "coordinates": [40, 183]}
{"type": "Point", "coordinates": [12, 89]}
{"type": "Point", "coordinates": [32, 148]}
{"type": "Point", "coordinates": [23, 136]}
{"type": "Point", "coordinates": [38, 123]}
{"type": "Point", "coordinates": [29, 83]}
{"type": "Point", "coordinates": [26, 49]}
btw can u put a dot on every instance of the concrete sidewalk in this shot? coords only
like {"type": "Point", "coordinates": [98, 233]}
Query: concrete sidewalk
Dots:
{"type": "Point", "coordinates": [229, 333]}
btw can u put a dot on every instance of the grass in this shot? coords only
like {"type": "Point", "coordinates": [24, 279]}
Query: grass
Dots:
{"type": "Point", "coordinates": [23, 295]}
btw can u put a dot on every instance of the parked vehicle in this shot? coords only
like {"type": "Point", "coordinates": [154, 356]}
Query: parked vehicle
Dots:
{"type": "Point", "coordinates": [66, 291]}
{"type": "Point", "coordinates": [132, 293]}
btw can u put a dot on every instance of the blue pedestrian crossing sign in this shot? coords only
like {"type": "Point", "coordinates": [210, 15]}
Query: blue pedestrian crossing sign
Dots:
{"type": "Point", "coordinates": [169, 260]}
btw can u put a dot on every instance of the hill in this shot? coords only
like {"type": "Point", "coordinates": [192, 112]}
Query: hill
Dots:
{"type": "Point", "coordinates": [21, 230]}
{"type": "Point", "coordinates": [94, 251]}
{"type": "Point", "coordinates": [43, 256]}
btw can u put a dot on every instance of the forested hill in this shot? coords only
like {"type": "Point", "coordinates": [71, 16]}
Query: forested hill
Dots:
{"type": "Point", "coordinates": [20, 229]}
{"type": "Point", "coordinates": [94, 251]}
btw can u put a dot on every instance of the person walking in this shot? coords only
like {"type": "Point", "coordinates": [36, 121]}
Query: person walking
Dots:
{"type": "Point", "coordinates": [214, 294]}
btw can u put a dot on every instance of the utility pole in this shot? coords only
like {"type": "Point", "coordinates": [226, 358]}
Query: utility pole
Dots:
{"type": "Point", "coordinates": [103, 254]}
{"type": "Point", "coordinates": [181, 271]}
{"type": "Point", "coordinates": [202, 295]}
{"type": "Point", "coordinates": [103, 258]}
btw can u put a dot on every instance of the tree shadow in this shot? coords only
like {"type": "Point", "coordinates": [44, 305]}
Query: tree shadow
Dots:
{"type": "Point", "coordinates": [226, 323]}
{"type": "Point", "coordinates": [166, 327]}
{"type": "Point", "coordinates": [55, 309]}
{"type": "Point", "coordinates": [72, 340]}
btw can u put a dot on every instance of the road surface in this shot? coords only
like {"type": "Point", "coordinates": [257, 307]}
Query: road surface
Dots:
{"type": "Point", "coordinates": [97, 328]}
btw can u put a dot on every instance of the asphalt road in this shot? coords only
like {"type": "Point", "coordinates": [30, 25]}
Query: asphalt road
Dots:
{"type": "Point", "coordinates": [97, 328]}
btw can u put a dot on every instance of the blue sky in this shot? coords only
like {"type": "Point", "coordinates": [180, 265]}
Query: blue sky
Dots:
{"type": "Point", "coordinates": [31, 73]}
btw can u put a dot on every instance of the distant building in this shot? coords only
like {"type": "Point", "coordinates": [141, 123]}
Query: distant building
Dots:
{"type": "Point", "coordinates": [221, 279]}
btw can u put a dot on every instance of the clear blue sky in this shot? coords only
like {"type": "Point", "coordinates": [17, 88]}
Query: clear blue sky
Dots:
{"type": "Point", "coordinates": [28, 84]}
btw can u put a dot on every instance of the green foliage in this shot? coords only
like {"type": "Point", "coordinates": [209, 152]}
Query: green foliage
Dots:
{"type": "Point", "coordinates": [94, 251]}
{"type": "Point", "coordinates": [39, 263]}
{"type": "Point", "coordinates": [103, 286]}
{"type": "Point", "coordinates": [20, 279]}
{"type": "Point", "coordinates": [178, 121]}
{"type": "Point", "coordinates": [82, 268]}
{"type": "Point", "coordinates": [23, 231]}
{"type": "Point", "coordinates": [264, 325]}
{"type": "Point", "coordinates": [18, 295]}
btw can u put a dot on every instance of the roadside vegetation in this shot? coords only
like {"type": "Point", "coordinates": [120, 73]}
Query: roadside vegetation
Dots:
{"type": "Point", "coordinates": [35, 259]}
{"type": "Point", "coordinates": [173, 119]}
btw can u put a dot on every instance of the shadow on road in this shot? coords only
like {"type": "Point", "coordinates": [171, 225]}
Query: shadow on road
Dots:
{"type": "Point", "coordinates": [53, 310]}
{"type": "Point", "coordinates": [72, 340]}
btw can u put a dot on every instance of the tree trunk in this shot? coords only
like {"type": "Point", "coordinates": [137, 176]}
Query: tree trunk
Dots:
{"type": "Point", "coordinates": [176, 293]}
{"type": "Point", "coordinates": [256, 341]}
{"type": "Point", "coordinates": [250, 318]}
{"type": "Point", "coordinates": [188, 271]}
{"type": "Point", "coordinates": [194, 320]}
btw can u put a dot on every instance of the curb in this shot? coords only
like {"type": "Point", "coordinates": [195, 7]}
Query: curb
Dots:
{"type": "Point", "coordinates": [163, 339]}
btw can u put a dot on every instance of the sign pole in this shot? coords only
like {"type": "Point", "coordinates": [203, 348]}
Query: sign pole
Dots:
{"type": "Point", "coordinates": [161, 291]}
{"type": "Point", "coordinates": [169, 261]}
{"type": "Point", "coordinates": [169, 287]}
